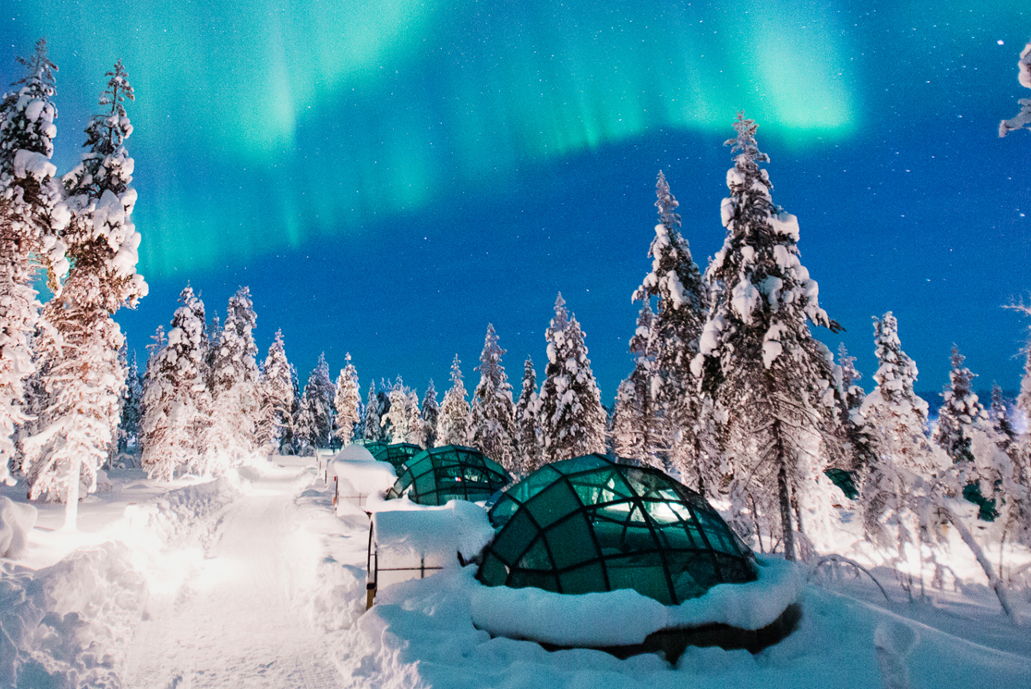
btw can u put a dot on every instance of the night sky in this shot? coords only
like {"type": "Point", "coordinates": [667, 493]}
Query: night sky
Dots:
{"type": "Point", "coordinates": [389, 176]}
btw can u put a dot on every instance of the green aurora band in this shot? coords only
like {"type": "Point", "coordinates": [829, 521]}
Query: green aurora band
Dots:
{"type": "Point", "coordinates": [259, 129]}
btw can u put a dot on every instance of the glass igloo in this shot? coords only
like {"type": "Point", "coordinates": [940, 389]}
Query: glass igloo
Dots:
{"type": "Point", "coordinates": [451, 472]}
{"type": "Point", "coordinates": [590, 524]}
{"type": "Point", "coordinates": [397, 454]}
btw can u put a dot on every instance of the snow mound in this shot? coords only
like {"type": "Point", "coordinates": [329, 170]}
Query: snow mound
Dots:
{"type": "Point", "coordinates": [174, 516]}
{"type": "Point", "coordinates": [70, 625]}
{"type": "Point", "coordinates": [587, 619]}
{"type": "Point", "coordinates": [457, 527]}
{"type": "Point", "coordinates": [340, 596]}
{"type": "Point", "coordinates": [16, 520]}
{"type": "Point", "coordinates": [354, 452]}
{"type": "Point", "coordinates": [365, 476]}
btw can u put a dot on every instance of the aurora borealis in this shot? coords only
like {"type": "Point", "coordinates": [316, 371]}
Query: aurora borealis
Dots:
{"type": "Point", "coordinates": [388, 177]}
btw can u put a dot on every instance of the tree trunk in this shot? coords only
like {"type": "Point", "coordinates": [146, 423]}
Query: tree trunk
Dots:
{"type": "Point", "coordinates": [785, 494]}
{"type": "Point", "coordinates": [982, 560]}
{"type": "Point", "coordinates": [71, 507]}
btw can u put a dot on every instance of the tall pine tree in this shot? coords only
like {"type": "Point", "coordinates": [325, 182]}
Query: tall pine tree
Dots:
{"type": "Point", "coordinates": [770, 379]}
{"type": "Point", "coordinates": [572, 418]}
{"type": "Point", "coordinates": [960, 412]}
{"type": "Point", "coordinates": [175, 397]}
{"type": "Point", "coordinates": [276, 397]}
{"type": "Point", "coordinates": [528, 442]}
{"type": "Point", "coordinates": [230, 437]}
{"type": "Point", "coordinates": [315, 419]}
{"type": "Point", "coordinates": [675, 283]}
{"type": "Point", "coordinates": [348, 402]}
{"type": "Point", "coordinates": [493, 422]}
{"type": "Point", "coordinates": [635, 420]}
{"type": "Point", "coordinates": [430, 413]}
{"type": "Point", "coordinates": [372, 430]}
{"type": "Point", "coordinates": [453, 424]}
{"type": "Point", "coordinates": [84, 376]}
{"type": "Point", "coordinates": [31, 215]}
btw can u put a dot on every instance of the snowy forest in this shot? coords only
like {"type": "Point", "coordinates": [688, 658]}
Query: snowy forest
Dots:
{"type": "Point", "coordinates": [730, 389]}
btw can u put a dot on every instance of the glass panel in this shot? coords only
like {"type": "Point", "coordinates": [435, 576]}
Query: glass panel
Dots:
{"type": "Point", "coordinates": [736, 570]}
{"type": "Point", "coordinates": [424, 485]}
{"type": "Point", "coordinates": [570, 542]}
{"type": "Point", "coordinates": [553, 503]}
{"type": "Point", "coordinates": [542, 580]}
{"type": "Point", "coordinates": [692, 573]}
{"type": "Point", "coordinates": [512, 541]}
{"type": "Point", "coordinates": [663, 512]}
{"type": "Point", "coordinates": [643, 573]}
{"type": "Point", "coordinates": [536, 557]}
{"type": "Point", "coordinates": [637, 538]}
{"type": "Point", "coordinates": [578, 464]}
{"type": "Point", "coordinates": [610, 536]}
{"type": "Point", "coordinates": [587, 579]}
{"type": "Point", "coordinates": [493, 571]}
{"type": "Point", "coordinates": [676, 536]}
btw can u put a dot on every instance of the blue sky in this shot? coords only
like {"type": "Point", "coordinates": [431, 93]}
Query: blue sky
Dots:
{"type": "Point", "coordinates": [388, 177]}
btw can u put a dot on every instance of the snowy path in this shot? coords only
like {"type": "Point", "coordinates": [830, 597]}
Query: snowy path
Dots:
{"type": "Point", "coordinates": [239, 620]}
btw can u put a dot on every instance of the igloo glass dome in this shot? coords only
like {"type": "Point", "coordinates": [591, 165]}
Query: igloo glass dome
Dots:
{"type": "Point", "coordinates": [590, 524]}
{"type": "Point", "coordinates": [450, 472]}
{"type": "Point", "coordinates": [397, 454]}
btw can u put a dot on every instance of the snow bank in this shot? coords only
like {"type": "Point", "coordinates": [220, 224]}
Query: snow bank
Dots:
{"type": "Point", "coordinates": [365, 476]}
{"type": "Point", "coordinates": [354, 452]}
{"type": "Point", "coordinates": [70, 624]}
{"type": "Point", "coordinates": [16, 520]}
{"type": "Point", "coordinates": [173, 516]}
{"type": "Point", "coordinates": [587, 619]}
{"type": "Point", "coordinates": [457, 527]}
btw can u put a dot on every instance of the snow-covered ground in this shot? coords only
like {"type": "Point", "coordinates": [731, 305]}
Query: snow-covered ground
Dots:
{"type": "Point", "coordinates": [253, 581]}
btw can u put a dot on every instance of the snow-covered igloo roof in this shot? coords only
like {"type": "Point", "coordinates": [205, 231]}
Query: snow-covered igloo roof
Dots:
{"type": "Point", "coordinates": [397, 454]}
{"type": "Point", "coordinates": [450, 472]}
{"type": "Point", "coordinates": [590, 524]}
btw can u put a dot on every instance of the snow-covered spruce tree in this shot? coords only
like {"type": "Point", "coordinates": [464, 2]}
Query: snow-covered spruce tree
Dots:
{"type": "Point", "coordinates": [276, 397]}
{"type": "Point", "coordinates": [1003, 432]}
{"type": "Point", "coordinates": [81, 340]}
{"type": "Point", "coordinates": [894, 408]}
{"type": "Point", "coordinates": [1023, 118]}
{"type": "Point", "coordinates": [212, 338]}
{"type": "Point", "coordinates": [906, 465]}
{"type": "Point", "coordinates": [230, 437]}
{"type": "Point", "coordinates": [31, 216]}
{"type": "Point", "coordinates": [770, 379]}
{"type": "Point", "coordinates": [528, 442]}
{"type": "Point", "coordinates": [37, 401]}
{"type": "Point", "coordinates": [383, 396]}
{"type": "Point", "coordinates": [1014, 470]}
{"type": "Point", "coordinates": [348, 402]}
{"type": "Point", "coordinates": [395, 421]}
{"type": "Point", "coordinates": [455, 418]}
{"type": "Point", "coordinates": [859, 434]}
{"type": "Point", "coordinates": [315, 418]}
{"type": "Point", "coordinates": [416, 431]}
{"type": "Point", "coordinates": [493, 414]}
{"type": "Point", "coordinates": [132, 408]}
{"type": "Point", "coordinates": [959, 413]}
{"type": "Point", "coordinates": [175, 397]}
{"type": "Point", "coordinates": [429, 414]}
{"type": "Point", "coordinates": [634, 419]}
{"type": "Point", "coordinates": [675, 283]}
{"type": "Point", "coordinates": [572, 418]}
{"type": "Point", "coordinates": [372, 431]}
